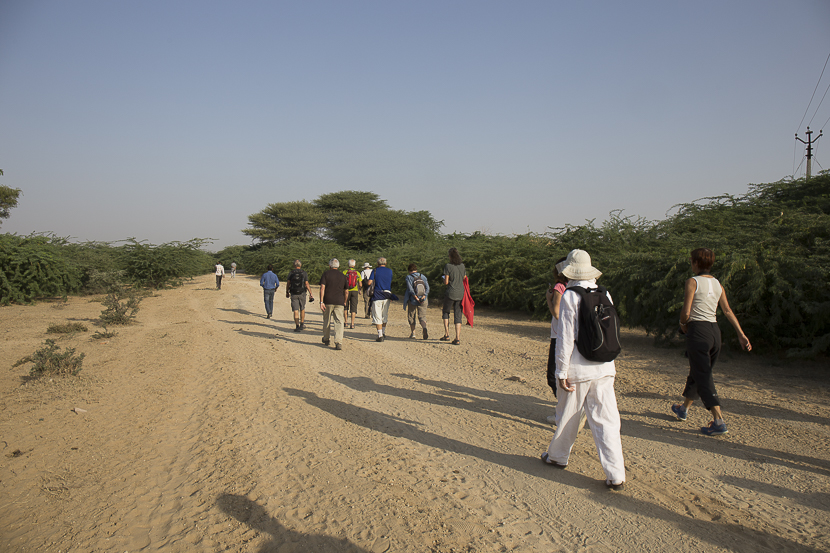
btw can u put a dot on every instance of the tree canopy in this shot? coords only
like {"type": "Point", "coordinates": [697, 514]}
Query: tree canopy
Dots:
{"type": "Point", "coordinates": [8, 200]}
{"type": "Point", "coordinates": [353, 219]}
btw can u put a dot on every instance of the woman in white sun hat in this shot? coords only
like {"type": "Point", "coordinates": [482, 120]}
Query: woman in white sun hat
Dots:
{"type": "Point", "coordinates": [584, 384]}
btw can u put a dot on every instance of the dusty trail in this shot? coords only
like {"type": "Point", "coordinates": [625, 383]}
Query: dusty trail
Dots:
{"type": "Point", "coordinates": [210, 428]}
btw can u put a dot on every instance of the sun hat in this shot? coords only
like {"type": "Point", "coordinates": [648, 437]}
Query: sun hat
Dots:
{"type": "Point", "coordinates": [367, 265]}
{"type": "Point", "coordinates": [578, 266]}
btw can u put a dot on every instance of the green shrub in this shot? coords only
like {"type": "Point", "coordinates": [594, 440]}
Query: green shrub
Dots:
{"type": "Point", "coordinates": [66, 328]}
{"type": "Point", "coordinates": [164, 265]}
{"type": "Point", "coordinates": [102, 334]}
{"type": "Point", "coordinates": [121, 306]}
{"type": "Point", "coordinates": [34, 267]}
{"type": "Point", "coordinates": [50, 360]}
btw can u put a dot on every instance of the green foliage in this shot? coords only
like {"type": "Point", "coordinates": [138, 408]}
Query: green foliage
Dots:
{"type": "Point", "coordinates": [121, 306]}
{"type": "Point", "coordinates": [50, 360]}
{"type": "Point", "coordinates": [353, 219]}
{"type": "Point", "coordinates": [8, 201]}
{"type": "Point", "coordinates": [286, 221]}
{"type": "Point", "coordinates": [164, 265]}
{"type": "Point", "coordinates": [231, 254]}
{"type": "Point", "coordinates": [35, 266]}
{"type": "Point", "coordinates": [66, 328]}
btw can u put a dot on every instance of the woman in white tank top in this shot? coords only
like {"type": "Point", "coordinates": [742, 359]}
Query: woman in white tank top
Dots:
{"type": "Point", "coordinates": [698, 321]}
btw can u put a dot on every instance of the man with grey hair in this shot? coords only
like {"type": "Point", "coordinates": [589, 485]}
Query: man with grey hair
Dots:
{"type": "Point", "coordinates": [353, 297]}
{"type": "Point", "coordinates": [333, 295]}
{"type": "Point", "coordinates": [296, 292]}
{"type": "Point", "coordinates": [382, 280]}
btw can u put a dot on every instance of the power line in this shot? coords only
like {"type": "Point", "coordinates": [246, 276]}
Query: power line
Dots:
{"type": "Point", "coordinates": [818, 106]}
{"type": "Point", "coordinates": [814, 92]}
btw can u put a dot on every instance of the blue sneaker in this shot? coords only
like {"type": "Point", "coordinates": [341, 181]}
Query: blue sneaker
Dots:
{"type": "Point", "coordinates": [714, 429]}
{"type": "Point", "coordinates": [679, 412]}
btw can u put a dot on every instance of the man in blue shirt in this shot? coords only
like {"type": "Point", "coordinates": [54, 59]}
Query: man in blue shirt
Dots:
{"type": "Point", "coordinates": [381, 278]}
{"type": "Point", "coordinates": [269, 283]}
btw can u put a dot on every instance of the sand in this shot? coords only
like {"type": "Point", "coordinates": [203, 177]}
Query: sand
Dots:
{"type": "Point", "coordinates": [206, 427]}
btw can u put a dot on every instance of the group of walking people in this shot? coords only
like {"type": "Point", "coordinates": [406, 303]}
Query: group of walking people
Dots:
{"type": "Point", "coordinates": [340, 292]}
{"type": "Point", "coordinates": [584, 388]}
{"type": "Point", "coordinates": [582, 382]}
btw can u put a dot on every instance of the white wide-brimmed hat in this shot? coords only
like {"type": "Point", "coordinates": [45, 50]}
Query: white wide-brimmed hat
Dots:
{"type": "Point", "coordinates": [578, 266]}
{"type": "Point", "coordinates": [367, 265]}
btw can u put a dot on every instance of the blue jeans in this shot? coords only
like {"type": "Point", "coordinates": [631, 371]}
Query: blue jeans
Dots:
{"type": "Point", "coordinates": [269, 300]}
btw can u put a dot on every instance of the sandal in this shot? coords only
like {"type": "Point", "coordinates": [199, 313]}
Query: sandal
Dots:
{"type": "Point", "coordinates": [456, 342]}
{"type": "Point", "coordinates": [445, 338]}
{"type": "Point", "coordinates": [551, 462]}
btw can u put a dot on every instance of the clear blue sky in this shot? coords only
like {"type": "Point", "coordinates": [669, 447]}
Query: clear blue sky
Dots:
{"type": "Point", "coordinates": [169, 119]}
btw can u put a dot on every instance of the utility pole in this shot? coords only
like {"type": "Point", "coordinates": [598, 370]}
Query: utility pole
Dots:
{"type": "Point", "coordinates": [809, 144]}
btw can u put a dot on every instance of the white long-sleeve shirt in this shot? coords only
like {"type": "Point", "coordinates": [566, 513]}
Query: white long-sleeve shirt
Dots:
{"type": "Point", "coordinates": [570, 363]}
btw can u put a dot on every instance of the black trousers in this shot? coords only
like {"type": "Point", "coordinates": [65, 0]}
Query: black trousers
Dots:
{"type": "Point", "coordinates": [703, 343]}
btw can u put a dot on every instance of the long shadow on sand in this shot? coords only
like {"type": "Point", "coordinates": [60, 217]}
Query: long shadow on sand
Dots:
{"type": "Point", "coordinates": [745, 539]}
{"type": "Point", "coordinates": [689, 437]}
{"type": "Point", "coordinates": [454, 396]}
{"type": "Point", "coordinates": [256, 517]}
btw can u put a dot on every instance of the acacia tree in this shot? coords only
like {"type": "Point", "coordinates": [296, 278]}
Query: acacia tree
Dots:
{"type": "Point", "coordinates": [351, 218]}
{"type": "Point", "coordinates": [8, 200]}
{"type": "Point", "coordinates": [286, 220]}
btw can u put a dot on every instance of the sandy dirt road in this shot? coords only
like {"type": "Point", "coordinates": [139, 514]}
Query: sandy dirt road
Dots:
{"type": "Point", "coordinates": [210, 428]}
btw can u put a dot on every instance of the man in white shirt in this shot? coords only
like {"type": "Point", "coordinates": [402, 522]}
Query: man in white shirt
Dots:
{"type": "Point", "coordinates": [220, 272]}
{"type": "Point", "coordinates": [584, 384]}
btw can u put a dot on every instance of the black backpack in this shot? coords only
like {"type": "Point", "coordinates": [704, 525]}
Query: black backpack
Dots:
{"type": "Point", "coordinates": [296, 282]}
{"type": "Point", "coordinates": [599, 325]}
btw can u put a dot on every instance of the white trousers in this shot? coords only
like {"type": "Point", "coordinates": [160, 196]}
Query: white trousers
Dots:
{"type": "Point", "coordinates": [598, 400]}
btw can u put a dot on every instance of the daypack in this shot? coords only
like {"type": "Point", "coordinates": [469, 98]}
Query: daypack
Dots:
{"type": "Point", "coordinates": [418, 285]}
{"type": "Point", "coordinates": [296, 282]}
{"type": "Point", "coordinates": [352, 275]}
{"type": "Point", "coordinates": [598, 338]}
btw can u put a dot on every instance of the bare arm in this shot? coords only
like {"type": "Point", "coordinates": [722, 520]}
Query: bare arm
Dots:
{"type": "Point", "coordinates": [553, 298]}
{"type": "Point", "coordinates": [322, 291]}
{"type": "Point", "coordinates": [723, 303]}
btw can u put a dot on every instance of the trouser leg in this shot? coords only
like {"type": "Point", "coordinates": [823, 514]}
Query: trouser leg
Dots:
{"type": "Point", "coordinates": [604, 421]}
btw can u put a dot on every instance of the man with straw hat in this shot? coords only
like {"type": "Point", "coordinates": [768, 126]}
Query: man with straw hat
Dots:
{"type": "Point", "coordinates": [585, 384]}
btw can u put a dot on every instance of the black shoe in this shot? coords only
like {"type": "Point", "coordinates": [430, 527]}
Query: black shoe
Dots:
{"type": "Point", "coordinates": [302, 326]}
{"type": "Point", "coordinates": [426, 334]}
{"type": "Point", "coordinates": [267, 315]}
{"type": "Point", "coordinates": [338, 347]}
{"type": "Point", "coordinates": [326, 342]}
{"type": "Point", "coordinates": [297, 328]}
{"type": "Point", "coordinates": [380, 339]}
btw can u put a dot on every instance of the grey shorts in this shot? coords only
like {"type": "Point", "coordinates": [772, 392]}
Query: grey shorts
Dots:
{"type": "Point", "coordinates": [298, 302]}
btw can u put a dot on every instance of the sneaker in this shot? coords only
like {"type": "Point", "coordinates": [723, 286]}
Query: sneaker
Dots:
{"type": "Point", "coordinates": [551, 419]}
{"type": "Point", "coordinates": [426, 334]}
{"type": "Point", "coordinates": [412, 336]}
{"type": "Point", "coordinates": [297, 328]}
{"type": "Point", "coordinates": [338, 347]}
{"type": "Point", "coordinates": [679, 412]}
{"type": "Point", "coordinates": [302, 326]}
{"type": "Point", "coordinates": [267, 315]}
{"type": "Point", "coordinates": [326, 342]}
{"type": "Point", "coordinates": [714, 429]}
{"type": "Point", "coordinates": [380, 339]}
